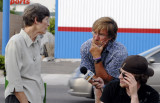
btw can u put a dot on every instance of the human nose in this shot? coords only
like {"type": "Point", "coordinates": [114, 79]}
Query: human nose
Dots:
{"type": "Point", "coordinates": [120, 76]}
{"type": "Point", "coordinates": [96, 36]}
{"type": "Point", "coordinates": [48, 24]}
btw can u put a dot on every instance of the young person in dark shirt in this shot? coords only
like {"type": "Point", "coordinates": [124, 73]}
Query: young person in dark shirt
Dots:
{"type": "Point", "coordinates": [131, 86]}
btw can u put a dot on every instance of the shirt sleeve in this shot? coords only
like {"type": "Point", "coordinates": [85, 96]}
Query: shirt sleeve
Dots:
{"type": "Point", "coordinates": [13, 64]}
{"type": "Point", "coordinates": [115, 62]}
{"type": "Point", "coordinates": [85, 61]}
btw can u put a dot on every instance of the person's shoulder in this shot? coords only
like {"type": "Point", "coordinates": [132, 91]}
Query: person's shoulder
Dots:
{"type": "Point", "coordinates": [112, 87]}
{"type": "Point", "coordinates": [148, 89]}
{"type": "Point", "coordinates": [118, 45]}
{"type": "Point", "coordinates": [14, 42]}
{"type": "Point", "coordinates": [113, 83]}
{"type": "Point", "coordinates": [16, 38]}
{"type": "Point", "coordinates": [86, 44]}
{"type": "Point", "coordinates": [118, 49]}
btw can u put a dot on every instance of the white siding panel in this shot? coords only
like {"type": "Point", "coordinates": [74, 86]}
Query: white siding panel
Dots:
{"type": "Point", "coordinates": [127, 13]}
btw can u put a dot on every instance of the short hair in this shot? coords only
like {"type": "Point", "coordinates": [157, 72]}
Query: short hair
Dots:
{"type": "Point", "coordinates": [141, 78]}
{"type": "Point", "coordinates": [106, 23]}
{"type": "Point", "coordinates": [34, 11]}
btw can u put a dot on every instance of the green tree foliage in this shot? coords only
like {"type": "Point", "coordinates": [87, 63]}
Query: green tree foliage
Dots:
{"type": "Point", "coordinates": [2, 64]}
{"type": "Point", "coordinates": [13, 11]}
{"type": "Point", "coordinates": [1, 5]}
{"type": "Point", "coordinates": [1, 8]}
{"type": "Point", "coordinates": [2, 67]}
{"type": "Point", "coordinates": [51, 28]}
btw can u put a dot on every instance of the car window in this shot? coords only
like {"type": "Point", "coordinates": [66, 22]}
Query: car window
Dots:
{"type": "Point", "coordinates": [156, 57]}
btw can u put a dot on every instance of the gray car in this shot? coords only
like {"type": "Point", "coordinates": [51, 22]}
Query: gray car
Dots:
{"type": "Point", "coordinates": [80, 87]}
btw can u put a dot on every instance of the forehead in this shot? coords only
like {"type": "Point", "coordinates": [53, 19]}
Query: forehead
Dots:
{"type": "Point", "coordinates": [102, 31]}
{"type": "Point", "coordinates": [121, 69]}
{"type": "Point", "coordinates": [99, 27]}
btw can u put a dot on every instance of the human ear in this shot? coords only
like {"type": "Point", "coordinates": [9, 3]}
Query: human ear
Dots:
{"type": "Point", "coordinates": [35, 20]}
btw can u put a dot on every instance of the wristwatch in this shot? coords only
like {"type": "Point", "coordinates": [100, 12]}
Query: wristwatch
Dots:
{"type": "Point", "coordinates": [97, 60]}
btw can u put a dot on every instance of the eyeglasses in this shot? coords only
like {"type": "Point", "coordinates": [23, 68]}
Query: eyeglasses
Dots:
{"type": "Point", "coordinates": [99, 34]}
{"type": "Point", "coordinates": [123, 74]}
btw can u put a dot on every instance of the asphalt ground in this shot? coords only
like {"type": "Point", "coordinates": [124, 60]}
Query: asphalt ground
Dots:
{"type": "Point", "coordinates": [59, 67]}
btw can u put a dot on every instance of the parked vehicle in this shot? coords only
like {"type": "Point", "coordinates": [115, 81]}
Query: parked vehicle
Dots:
{"type": "Point", "coordinates": [80, 87]}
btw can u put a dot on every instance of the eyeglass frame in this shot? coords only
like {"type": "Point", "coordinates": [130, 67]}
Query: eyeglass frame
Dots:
{"type": "Point", "coordinates": [99, 34]}
{"type": "Point", "coordinates": [123, 74]}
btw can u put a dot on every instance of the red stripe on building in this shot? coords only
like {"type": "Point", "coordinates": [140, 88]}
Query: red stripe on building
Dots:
{"type": "Point", "coordinates": [75, 29]}
{"type": "Point", "coordinates": [120, 30]}
{"type": "Point", "coordinates": [137, 30]}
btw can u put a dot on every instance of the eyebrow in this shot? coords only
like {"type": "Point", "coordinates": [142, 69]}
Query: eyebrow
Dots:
{"type": "Point", "coordinates": [121, 70]}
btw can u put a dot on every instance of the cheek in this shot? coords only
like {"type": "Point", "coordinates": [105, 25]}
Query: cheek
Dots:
{"type": "Point", "coordinates": [45, 23]}
{"type": "Point", "coordinates": [94, 36]}
{"type": "Point", "coordinates": [106, 40]}
{"type": "Point", "coordinates": [123, 84]}
{"type": "Point", "coordinates": [103, 40]}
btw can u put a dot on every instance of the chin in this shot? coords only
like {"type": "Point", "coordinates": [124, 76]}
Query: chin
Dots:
{"type": "Point", "coordinates": [123, 85]}
{"type": "Point", "coordinates": [98, 44]}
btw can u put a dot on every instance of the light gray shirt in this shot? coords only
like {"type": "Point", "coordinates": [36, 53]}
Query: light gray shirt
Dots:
{"type": "Point", "coordinates": [23, 67]}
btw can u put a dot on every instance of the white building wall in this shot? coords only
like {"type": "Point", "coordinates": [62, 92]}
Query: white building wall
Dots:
{"type": "Point", "coordinates": [127, 13]}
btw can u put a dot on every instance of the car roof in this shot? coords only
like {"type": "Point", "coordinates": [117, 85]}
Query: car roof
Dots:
{"type": "Point", "coordinates": [150, 51]}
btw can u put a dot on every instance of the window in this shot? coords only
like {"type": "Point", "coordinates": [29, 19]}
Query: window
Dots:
{"type": "Point", "coordinates": [156, 57]}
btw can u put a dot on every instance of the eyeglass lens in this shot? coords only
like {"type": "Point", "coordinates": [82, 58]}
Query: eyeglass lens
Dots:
{"type": "Point", "coordinates": [123, 74]}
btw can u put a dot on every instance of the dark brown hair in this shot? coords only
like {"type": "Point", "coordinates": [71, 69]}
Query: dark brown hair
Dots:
{"type": "Point", "coordinates": [141, 78]}
{"type": "Point", "coordinates": [34, 11]}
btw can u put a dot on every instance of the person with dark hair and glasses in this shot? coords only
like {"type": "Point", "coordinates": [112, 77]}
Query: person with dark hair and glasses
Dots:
{"type": "Point", "coordinates": [23, 60]}
{"type": "Point", "coordinates": [131, 86]}
{"type": "Point", "coordinates": [102, 54]}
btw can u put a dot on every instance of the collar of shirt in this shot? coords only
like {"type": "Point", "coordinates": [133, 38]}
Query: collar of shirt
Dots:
{"type": "Point", "coordinates": [109, 46]}
{"type": "Point", "coordinates": [27, 39]}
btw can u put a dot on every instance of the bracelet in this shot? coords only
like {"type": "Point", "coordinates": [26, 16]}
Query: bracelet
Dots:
{"type": "Point", "coordinates": [97, 58]}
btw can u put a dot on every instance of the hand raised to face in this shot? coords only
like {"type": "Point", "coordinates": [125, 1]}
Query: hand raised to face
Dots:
{"type": "Point", "coordinates": [95, 49]}
{"type": "Point", "coordinates": [130, 80]}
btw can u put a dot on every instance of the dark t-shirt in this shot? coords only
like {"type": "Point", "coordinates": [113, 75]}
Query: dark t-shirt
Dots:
{"type": "Point", "coordinates": [113, 93]}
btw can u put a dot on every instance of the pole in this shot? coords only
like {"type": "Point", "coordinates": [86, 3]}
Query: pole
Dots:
{"type": "Point", "coordinates": [5, 25]}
